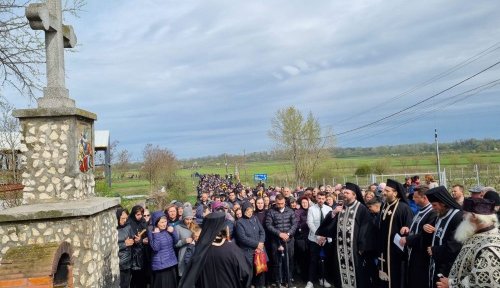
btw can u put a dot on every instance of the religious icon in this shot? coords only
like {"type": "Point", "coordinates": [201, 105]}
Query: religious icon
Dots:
{"type": "Point", "coordinates": [85, 153]}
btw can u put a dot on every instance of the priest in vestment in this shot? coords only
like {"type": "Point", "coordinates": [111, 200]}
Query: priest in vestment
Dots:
{"type": "Point", "coordinates": [444, 247]}
{"type": "Point", "coordinates": [351, 228]}
{"type": "Point", "coordinates": [416, 240]}
{"type": "Point", "coordinates": [477, 263]}
{"type": "Point", "coordinates": [394, 215]}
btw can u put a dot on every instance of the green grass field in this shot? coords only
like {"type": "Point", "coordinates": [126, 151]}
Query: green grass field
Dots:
{"type": "Point", "coordinates": [460, 169]}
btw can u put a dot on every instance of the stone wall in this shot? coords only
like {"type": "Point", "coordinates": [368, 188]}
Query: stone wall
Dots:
{"type": "Point", "coordinates": [50, 148]}
{"type": "Point", "coordinates": [93, 240]}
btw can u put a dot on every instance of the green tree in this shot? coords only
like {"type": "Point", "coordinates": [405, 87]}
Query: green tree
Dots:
{"type": "Point", "coordinates": [300, 140]}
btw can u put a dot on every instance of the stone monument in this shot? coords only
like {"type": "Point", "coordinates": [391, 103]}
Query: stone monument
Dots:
{"type": "Point", "coordinates": [61, 219]}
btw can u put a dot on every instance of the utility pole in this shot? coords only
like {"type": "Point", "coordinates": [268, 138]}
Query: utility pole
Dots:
{"type": "Point", "coordinates": [437, 156]}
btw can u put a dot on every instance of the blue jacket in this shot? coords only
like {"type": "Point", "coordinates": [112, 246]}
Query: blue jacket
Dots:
{"type": "Point", "coordinates": [162, 245]}
{"type": "Point", "coordinates": [249, 232]}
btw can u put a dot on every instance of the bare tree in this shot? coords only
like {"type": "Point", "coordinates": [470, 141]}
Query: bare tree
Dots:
{"type": "Point", "coordinates": [10, 137]}
{"type": "Point", "coordinates": [123, 159]}
{"type": "Point", "coordinates": [301, 140]}
{"type": "Point", "coordinates": [22, 49]}
{"type": "Point", "coordinates": [159, 165]}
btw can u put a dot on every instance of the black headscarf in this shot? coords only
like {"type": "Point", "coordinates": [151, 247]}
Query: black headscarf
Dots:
{"type": "Point", "coordinates": [212, 226]}
{"type": "Point", "coordinates": [119, 213]}
{"type": "Point", "coordinates": [136, 225]}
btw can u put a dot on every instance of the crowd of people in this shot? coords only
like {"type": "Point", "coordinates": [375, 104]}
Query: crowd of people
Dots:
{"type": "Point", "coordinates": [390, 234]}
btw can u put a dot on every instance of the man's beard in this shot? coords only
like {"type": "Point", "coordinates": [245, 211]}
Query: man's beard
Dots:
{"type": "Point", "coordinates": [465, 230]}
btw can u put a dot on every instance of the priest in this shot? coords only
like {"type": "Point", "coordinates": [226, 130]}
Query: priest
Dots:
{"type": "Point", "coordinates": [416, 240]}
{"type": "Point", "coordinates": [394, 215]}
{"type": "Point", "coordinates": [351, 227]}
{"type": "Point", "coordinates": [444, 247]}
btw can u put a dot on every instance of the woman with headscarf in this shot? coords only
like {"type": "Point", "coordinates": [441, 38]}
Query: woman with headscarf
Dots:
{"type": "Point", "coordinates": [125, 242]}
{"type": "Point", "coordinates": [139, 228]}
{"type": "Point", "coordinates": [260, 211]}
{"type": "Point", "coordinates": [163, 260]}
{"type": "Point", "coordinates": [251, 236]}
{"type": "Point", "coordinates": [301, 247]}
{"type": "Point", "coordinates": [185, 233]}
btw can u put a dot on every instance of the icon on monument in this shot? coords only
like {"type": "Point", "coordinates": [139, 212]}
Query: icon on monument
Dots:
{"type": "Point", "coordinates": [85, 155]}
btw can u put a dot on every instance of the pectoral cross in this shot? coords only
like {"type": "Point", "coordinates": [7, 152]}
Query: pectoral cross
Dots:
{"type": "Point", "coordinates": [382, 260]}
{"type": "Point", "coordinates": [48, 17]}
{"type": "Point", "coordinates": [382, 275]}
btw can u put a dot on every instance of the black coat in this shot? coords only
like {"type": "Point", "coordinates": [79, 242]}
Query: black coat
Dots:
{"type": "Point", "coordinates": [249, 232]}
{"type": "Point", "coordinates": [124, 252]}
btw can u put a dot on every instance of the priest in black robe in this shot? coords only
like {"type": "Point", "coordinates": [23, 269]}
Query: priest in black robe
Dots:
{"type": "Point", "coordinates": [216, 262]}
{"type": "Point", "coordinates": [444, 247]}
{"type": "Point", "coordinates": [416, 240]}
{"type": "Point", "coordinates": [351, 228]}
{"type": "Point", "coordinates": [394, 215]}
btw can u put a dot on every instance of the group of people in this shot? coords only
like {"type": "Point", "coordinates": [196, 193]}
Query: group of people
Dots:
{"type": "Point", "coordinates": [341, 234]}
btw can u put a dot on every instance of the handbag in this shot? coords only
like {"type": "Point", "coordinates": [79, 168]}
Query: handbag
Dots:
{"type": "Point", "coordinates": [260, 262]}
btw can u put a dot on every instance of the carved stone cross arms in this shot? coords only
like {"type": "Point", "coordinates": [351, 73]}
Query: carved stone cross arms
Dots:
{"type": "Point", "coordinates": [48, 17]}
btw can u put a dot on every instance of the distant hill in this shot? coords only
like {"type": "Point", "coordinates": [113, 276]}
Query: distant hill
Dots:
{"type": "Point", "coordinates": [460, 146]}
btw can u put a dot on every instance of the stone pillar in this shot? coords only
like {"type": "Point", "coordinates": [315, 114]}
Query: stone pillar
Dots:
{"type": "Point", "coordinates": [58, 150]}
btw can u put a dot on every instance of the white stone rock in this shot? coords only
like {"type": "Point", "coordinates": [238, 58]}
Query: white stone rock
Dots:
{"type": "Point", "coordinates": [65, 154]}
{"type": "Point", "coordinates": [4, 250]}
{"type": "Point", "coordinates": [64, 195]}
{"type": "Point", "coordinates": [76, 241]}
{"type": "Point", "coordinates": [14, 237]}
{"type": "Point", "coordinates": [44, 127]}
{"type": "Point", "coordinates": [87, 257]}
{"type": "Point", "coordinates": [44, 179]}
{"type": "Point", "coordinates": [42, 139]}
{"type": "Point", "coordinates": [41, 225]}
{"type": "Point", "coordinates": [40, 188]}
{"type": "Point", "coordinates": [37, 147]}
{"type": "Point", "coordinates": [52, 170]}
{"type": "Point", "coordinates": [30, 139]}
{"type": "Point", "coordinates": [32, 130]}
{"type": "Point", "coordinates": [35, 156]}
{"type": "Point", "coordinates": [65, 127]}
{"type": "Point", "coordinates": [50, 188]}
{"type": "Point", "coordinates": [31, 241]}
{"type": "Point", "coordinates": [36, 163]}
{"type": "Point", "coordinates": [66, 231]}
{"type": "Point", "coordinates": [67, 187]}
{"type": "Point", "coordinates": [47, 163]}
{"type": "Point", "coordinates": [58, 239]}
{"type": "Point", "coordinates": [5, 239]}
{"type": "Point", "coordinates": [22, 237]}
{"type": "Point", "coordinates": [26, 175]}
{"type": "Point", "coordinates": [55, 154]}
{"type": "Point", "coordinates": [53, 127]}
{"type": "Point", "coordinates": [61, 170]}
{"type": "Point", "coordinates": [77, 183]}
{"type": "Point", "coordinates": [64, 147]}
{"type": "Point", "coordinates": [63, 137]}
{"type": "Point", "coordinates": [46, 155]}
{"type": "Point", "coordinates": [28, 196]}
{"type": "Point", "coordinates": [48, 232]}
{"type": "Point", "coordinates": [62, 161]}
{"type": "Point", "coordinates": [55, 180]}
{"type": "Point", "coordinates": [35, 232]}
{"type": "Point", "coordinates": [39, 240]}
{"type": "Point", "coordinates": [82, 279]}
{"type": "Point", "coordinates": [23, 148]}
{"type": "Point", "coordinates": [67, 179]}
{"type": "Point", "coordinates": [44, 196]}
{"type": "Point", "coordinates": [53, 136]}
{"type": "Point", "coordinates": [39, 172]}
{"type": "Point", "coordinates": [91, 282]}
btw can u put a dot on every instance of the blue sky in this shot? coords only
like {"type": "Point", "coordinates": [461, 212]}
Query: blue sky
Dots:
{"type": "Point", "coordinates": [206, 77]}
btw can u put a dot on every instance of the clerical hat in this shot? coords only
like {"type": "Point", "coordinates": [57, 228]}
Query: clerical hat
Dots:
{"type": "Point", "coordinates": [355, 188]}
{"type": "Point", "coordinates": [441, 195]}
{"type": "Point", "coordinates": [479, 206]}
{"type": "Point", "coordinates": [399, 188]}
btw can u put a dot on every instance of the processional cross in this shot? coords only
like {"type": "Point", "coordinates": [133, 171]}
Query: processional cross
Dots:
{"type": "Point", "coordinates": [48, 17]}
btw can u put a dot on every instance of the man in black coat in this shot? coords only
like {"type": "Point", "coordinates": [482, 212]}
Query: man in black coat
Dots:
{"type": "Point", "coordinates": [281, 225]}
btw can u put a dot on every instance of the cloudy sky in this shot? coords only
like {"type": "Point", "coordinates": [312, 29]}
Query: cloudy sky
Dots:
{"type": "Point", "coordinates": [206, 77]}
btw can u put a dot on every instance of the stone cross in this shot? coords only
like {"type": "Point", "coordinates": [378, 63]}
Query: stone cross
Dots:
{"type": "Point", "coordinates": [48, 17]}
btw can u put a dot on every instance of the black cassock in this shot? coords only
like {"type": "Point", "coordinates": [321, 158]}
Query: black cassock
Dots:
{"type": "Point", "coordinates": [352, 232]}
{"type": "Point", "coordinates": [393, 216]}
{"type": "Point", "coordinates": [416, 246]}
{"type": "Point", "coordinates": [444, 246]}
{"type": "Point", "coordinates": [225, 266]}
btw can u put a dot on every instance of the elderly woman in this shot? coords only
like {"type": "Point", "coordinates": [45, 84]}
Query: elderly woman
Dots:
{"type": "Point", "coordinates": [172, 216]}
{"type": "Point", "coordinates": [251, 236]}
{"type": "Point", "coordinates": [125, 242]}
{"type": "Point", "coordinates": [163, 260]}
{"type": "Point", "coordinates": [185, 233]}
{"type": "Point", "coordinates": [301, 247]}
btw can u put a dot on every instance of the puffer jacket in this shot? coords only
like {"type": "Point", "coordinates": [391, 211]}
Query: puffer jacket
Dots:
{"type": "Point", "coordinates": [162, 245]}
{"type": "Point", "coordinates": [124, 252]}
{"type": "Point", "coordinates": [277, 222]}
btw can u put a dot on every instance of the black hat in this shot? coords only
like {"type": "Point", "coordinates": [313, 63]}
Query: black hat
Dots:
{"type": "Point", "coordinates": [355, 188]}
{"type": "Point", "coordinates": [399, 188]}
{"type": "Point", "coordinates": [441, 195]}
{"type": "Point", "coordinates": [492, 196]}
{"type": "Point", "coordinates": [479, 206]}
